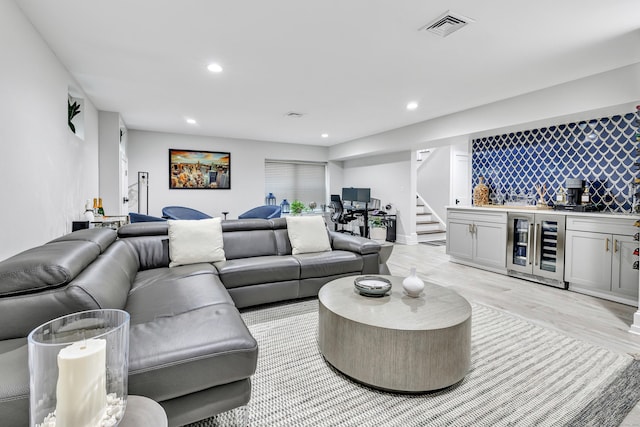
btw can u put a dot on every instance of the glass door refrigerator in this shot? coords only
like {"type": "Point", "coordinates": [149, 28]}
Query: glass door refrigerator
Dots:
{"type": "Point", "coordinates": [535, 247]}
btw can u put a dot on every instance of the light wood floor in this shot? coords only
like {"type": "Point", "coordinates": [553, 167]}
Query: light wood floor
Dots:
{"type": "Point", "coordinates": [600, 322]}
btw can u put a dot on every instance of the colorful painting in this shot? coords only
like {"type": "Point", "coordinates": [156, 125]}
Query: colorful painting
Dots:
{"type": "Point", "coordinates": [193, 170]}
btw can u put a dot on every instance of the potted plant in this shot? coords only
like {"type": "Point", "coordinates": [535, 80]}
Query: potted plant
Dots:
{"type": "Point", "coordinates": [377, 229]}
{"type": "Point", "coordinates": [297, 207]}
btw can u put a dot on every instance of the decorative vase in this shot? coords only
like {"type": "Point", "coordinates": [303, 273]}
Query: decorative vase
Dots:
{"type": "Point", "coordinates": [78, 369]}
{"type": "Point", "coordinates": [412, 284]}
{"type": "Point", "coordinates": [88, 212]}
{"type": "Point", "coordinates": [481, 193]}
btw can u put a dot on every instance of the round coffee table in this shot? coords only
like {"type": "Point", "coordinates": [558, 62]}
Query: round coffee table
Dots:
{"type": "Point", "coordinates": [396, 342]}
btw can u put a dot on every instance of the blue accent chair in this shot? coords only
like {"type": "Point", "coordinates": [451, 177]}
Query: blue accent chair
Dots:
{"type": "Point", "coordinates": [181, 212]}
{"type": "Point", "coordinates": [265, 212]}
{"type": "Point", "coordinates": [138, 217]}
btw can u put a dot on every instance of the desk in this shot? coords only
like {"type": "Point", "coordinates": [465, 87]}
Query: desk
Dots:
{"type": "Point", "coordinates": [389, 221]}
{"type": "Point", "coordinates": [113, 222]}
{"type": "Point", "coordinates": [365, 213]}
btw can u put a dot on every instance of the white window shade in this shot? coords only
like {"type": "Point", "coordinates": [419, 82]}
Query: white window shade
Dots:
{"type": "Point", "coordinates": [303, 181]}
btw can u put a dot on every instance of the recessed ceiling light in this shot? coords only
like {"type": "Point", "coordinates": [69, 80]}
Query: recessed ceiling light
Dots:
{"type": "Point", "coordinates": [412, 106]}
{"type": "Point", "coordinates": [325, 135]}
{"type": "Point", "coordinates": [214, 68]}
{"type": "Point", "coordinates": [191, 121]}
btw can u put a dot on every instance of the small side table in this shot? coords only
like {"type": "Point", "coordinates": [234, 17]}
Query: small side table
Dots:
{"type": "Point", "coordinates": [385, 252]}
{"type": "Point", "coordinates": [143, 412]}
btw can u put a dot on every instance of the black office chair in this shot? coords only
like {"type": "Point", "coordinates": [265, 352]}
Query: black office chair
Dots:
{"type": "Point", "coordinates": [339, 215]}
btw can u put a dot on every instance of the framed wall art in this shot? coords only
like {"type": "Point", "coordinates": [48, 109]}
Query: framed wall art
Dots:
{"type": "Point", "coordinates": [199, 170]}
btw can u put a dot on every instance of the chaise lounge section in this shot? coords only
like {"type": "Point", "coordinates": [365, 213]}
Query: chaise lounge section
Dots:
{"type": "Point", "coordinates": [189, 348]}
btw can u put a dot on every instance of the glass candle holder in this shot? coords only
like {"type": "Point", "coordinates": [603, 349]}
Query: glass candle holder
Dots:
{"type": "Point", "coordinates": [78, 367]}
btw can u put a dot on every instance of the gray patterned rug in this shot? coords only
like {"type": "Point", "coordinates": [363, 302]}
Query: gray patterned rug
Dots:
{"type": "Point", "coordinates": [521, 375]}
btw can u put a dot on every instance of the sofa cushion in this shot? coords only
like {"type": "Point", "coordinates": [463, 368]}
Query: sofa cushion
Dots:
{"type": "Point", "coordinates": [14, 387]}
{"type": "Point", "coordinates": [355, 244]}
{"type": "Point", "coordinates": [165, 292]}
{"type": "Point", "coordinates": [104, 283]}
{"type": "Point", "coordinates": [325, 264]}
{"type": "Point", "coordinates": [193, 241]}
{"type": "Point", "coordinates": [152, 251]}
{"type": "Point", "coordinates": [102, 236]}
{"type": "Point", "coordinates": [143, 229]}
{"type": "Point", "coordinates": [249, 243]}
{"type": "Point", "coordinates": [250, 271]}
{"type": "Point", "coordinates": [308, 234]}
{"type": "Point", "coordinates": [187, 352]}
{"type": "Point", "coordinates": [107, 280]}
{"type": "Point", "coordinates": [45, 266]}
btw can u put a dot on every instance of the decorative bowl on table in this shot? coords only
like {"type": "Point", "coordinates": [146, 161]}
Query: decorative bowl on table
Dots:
{"type": "Point", "coordinates": [372, 286]}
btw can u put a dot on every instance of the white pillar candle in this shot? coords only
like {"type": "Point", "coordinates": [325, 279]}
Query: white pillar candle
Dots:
{"type": "Point", "coordinates": [81, 393]}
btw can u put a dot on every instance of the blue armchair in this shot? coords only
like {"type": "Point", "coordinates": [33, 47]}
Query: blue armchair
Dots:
{"type": "Point", "coordinates": [137, 217]}
{"type": "Point", "coordinates": [265, 212]}
{"type": "Point", "coordinates": [181, 212]}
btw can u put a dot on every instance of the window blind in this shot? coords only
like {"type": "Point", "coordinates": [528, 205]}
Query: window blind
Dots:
{"type": "Point", "coordinates": [303, 181]}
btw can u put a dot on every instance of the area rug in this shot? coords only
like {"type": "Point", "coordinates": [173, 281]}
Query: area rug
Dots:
{"type": "Point", "coordinates": [521, 375]}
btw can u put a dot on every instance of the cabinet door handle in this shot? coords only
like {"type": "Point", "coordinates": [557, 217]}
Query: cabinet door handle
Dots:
{"type": "Point", "coordinates": [606, 244]}
{"type": "Point", "coordinates": [615, 246]}
{"type": "Point", "coordinates": [471, 228]}
{"type": "Point", "coordinates": [529, 245]}
{"type": "Point", "coordinates": [535, 244]}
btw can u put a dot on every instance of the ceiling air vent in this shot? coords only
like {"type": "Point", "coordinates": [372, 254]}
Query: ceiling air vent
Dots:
{"type": "Point", "coordinates": [294, 115]}
{"type": "Point", "coordinates": [447, 24]}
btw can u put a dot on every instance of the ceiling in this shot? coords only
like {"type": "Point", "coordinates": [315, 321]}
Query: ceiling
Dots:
{"type": "Point", "coordinates": [348, 66]}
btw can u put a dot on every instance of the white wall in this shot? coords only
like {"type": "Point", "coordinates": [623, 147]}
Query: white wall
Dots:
{"type": "Point", "coordinates": [48, 172]}
{"type": "Point", "coordinates": [433, 181]}
{"type": "Point", "coordinates": [110, 173]}
{"type": "Point", "coordinates": [149, 152]}
{"type": "Point", "coordinates": [613, 92]}
{"type": "Point", "coordinates": [392, 180]}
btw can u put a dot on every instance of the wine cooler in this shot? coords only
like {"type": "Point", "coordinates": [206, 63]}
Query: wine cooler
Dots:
{"type": "Point", "coordinates": [535, 247]}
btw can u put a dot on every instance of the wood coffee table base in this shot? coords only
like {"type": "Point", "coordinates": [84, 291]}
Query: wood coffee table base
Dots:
{"type": "Point", "coordinates": [396, 342]}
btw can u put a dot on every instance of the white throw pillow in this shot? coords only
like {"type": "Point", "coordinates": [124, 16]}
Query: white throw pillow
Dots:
{"type": "Point", "coordinates": [307, 234]}
{"type": "Point", "coordinates": [193, 241]}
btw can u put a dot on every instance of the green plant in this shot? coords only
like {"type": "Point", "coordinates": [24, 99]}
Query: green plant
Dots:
{"type": "Point", "coordinates": [74, 110]}
{"type": "Point", "coordinates": [377, 222]}
{"type": "Point", "coordinates": [297, 207]}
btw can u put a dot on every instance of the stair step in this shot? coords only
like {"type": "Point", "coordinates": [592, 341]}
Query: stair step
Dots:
{"type": "Point", "coordinates": [421, 233]}
{"type": "Point", "coordinates": [432, 236]}
{"type": "Point", "coordinates": [426, 222]}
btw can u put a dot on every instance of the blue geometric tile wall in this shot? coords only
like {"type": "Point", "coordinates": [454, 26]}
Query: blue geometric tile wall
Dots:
{"type": "Point", "coordinates": [601, 151]}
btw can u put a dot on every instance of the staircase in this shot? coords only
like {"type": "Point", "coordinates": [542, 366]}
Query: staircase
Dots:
{"type": "Point", "coordinates": [427, 227]}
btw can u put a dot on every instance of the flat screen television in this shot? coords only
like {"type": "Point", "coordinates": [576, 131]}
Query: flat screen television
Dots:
{"type": "Point", "coordinates": [362, 195]}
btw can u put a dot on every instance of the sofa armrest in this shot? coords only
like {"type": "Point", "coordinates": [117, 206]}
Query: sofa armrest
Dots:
{"type": "Point", "coordinates": [357, 244]}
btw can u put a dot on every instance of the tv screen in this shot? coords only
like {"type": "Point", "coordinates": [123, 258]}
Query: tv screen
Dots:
{"type": "Point", "coordinates": [362, 195]}
{"type": "Point", "coordinates": [349, 194]}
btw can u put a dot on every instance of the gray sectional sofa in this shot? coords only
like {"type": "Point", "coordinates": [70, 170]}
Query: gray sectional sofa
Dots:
{"type": "Point", "coordinates": [189, 348]}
